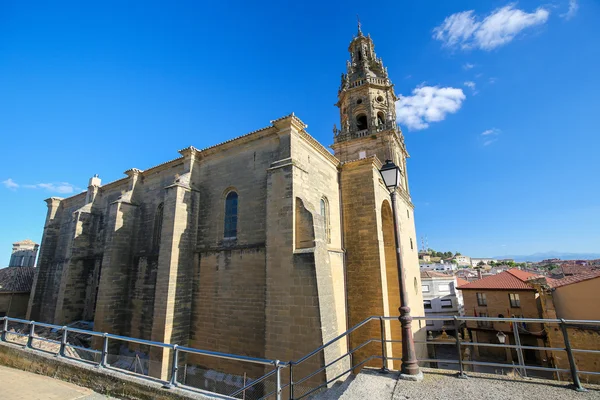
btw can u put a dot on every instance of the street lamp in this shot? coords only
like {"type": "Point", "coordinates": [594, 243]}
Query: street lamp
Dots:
{"type": "Point", "coordinates": [501, 337]}
{"type": "Point", "coordinates": [390, 173]}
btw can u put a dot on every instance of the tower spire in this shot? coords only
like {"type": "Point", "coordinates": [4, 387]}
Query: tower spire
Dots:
{"type": "Point", "coordinates": [359, 31]}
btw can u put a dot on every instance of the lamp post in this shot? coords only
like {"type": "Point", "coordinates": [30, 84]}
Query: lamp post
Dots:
{"type": "Point", "coordinates": [390, 173]}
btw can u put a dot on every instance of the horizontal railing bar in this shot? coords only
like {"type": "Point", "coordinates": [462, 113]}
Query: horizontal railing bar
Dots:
{"type": "Point", "coordinates": [139, 341]}
{"type": "Point", "coordinates": [349, 331]}
{"type": "Point", "coordinates": [84, 332]}
{"type": "Point", "coordinates": [45, 325]}
{"type": "Point", "coordinates": [588, 372]}
{"type": "Point", "coordinates": [259, 380]}
{"type": "Point", "coordinates": [515, 366]}
{"type": "Point", "coordinates": [19, 320]}
{"type": "Point", "coordinates": [585, 351]}
{"type": "Point", "coordinates": [228, 356]}
{"type": "Point", "coordinates": [83, 348]}
{"type": "Point", "coordinates": [437, 360]}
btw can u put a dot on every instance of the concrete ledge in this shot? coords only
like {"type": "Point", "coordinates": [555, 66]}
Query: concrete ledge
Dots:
{"type": "Point", "coordinates": [101, 380]}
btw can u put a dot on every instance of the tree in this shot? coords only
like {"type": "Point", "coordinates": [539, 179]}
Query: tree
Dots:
{"type": "Point", "coordinates": [454, 262]}
{"type": "Point", "coordinates": [457, 254]}
{"type": "Point", "coordinates": [480, 264]}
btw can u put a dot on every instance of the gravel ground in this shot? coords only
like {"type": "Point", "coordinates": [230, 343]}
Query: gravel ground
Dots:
{"type": "Point", "coordinates": [444, 385]}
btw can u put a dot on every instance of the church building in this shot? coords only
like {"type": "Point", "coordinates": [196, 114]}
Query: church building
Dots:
{"type": "Point", "coordinates": [266, 245]}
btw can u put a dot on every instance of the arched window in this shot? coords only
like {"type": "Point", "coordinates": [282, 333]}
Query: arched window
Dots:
{"type": "Point", "coordinates": [380, 118]}
{"type": "Point", "coordinates": [361, 122]}
{"type": "Point", "coordinates": [325, 215]}
{"type": "Point", "coordinates": [231, 215]}
{"type": "Point", "coordinates": [158, 219]}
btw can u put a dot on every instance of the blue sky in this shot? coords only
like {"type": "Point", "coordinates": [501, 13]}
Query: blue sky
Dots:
{"type": "Point", "coordinates": [102, 87]}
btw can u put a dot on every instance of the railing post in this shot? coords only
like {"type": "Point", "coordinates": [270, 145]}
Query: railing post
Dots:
{"type": "Point", "coordinates": [291, 380]}
{"type": "Point", "coordinates": [519, 349]}
{"type": "Point", "coordinates": [278, 380]}
{"type": "Point", "coordinates": [4, 329]}
{"type": "Point", "coordinates": [461, 369]}
{"type": "Point", "coordinates": [175, 366]}
{"type": "Point", "coordinates": [384, 368]}
{"type": "Point", "coordinates": [104, 356]}
{"type": "Point", "coordinates": [572, 364]}
{"type": "Point", "coordinates": [31, 333]}
{"type": "Point", "coordinates": [63, 342]}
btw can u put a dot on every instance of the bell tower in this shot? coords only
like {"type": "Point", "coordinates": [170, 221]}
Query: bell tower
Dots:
{"type": "Point", "coordinates": [366, 100]}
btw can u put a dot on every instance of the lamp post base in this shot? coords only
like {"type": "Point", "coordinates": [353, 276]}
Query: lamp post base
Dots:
{"type": "Point", "coordinates": [415, 378]}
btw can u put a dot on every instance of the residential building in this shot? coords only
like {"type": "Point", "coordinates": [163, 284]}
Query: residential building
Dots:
{"type": "Point", "coordinates": [507, 294]}
{"type": "Point", "coordinates": [438, 267]}
{"type": "Point", "coordinates": [573, 298]}
{"type": "Point", "coordinates": [16, 280]}
{"type": "Point", "coordinates": [266, 245]}
{"type": "Point", "coordinates": [475, 261]}
{"type": "Point", "coordinates": [463, 260]}
{"type": "Point", "coordinates": [440, 298]}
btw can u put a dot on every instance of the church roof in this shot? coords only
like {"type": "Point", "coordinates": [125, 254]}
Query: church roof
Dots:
{"type": "Point", "coordinates": [26, 241]}
{"type": "Point", "coordinates": [16, 279]}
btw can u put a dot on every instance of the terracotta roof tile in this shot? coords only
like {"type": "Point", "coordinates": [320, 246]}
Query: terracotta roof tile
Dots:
{"type": "Point", "coordinates": [513, 279]}
{"type": "Point", "coordinates": [461, 281]}
{"type": "Point", "coordinates": [568, 280]}
{"type": "Point", "coordinates": [16, 279]}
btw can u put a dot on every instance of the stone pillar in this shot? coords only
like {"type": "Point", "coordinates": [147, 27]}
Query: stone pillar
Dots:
{"type": "Point", "coordinates": [113, 291]}
{"type": "Point", "coordinates": [173, 292]}
{"type": "Point", "coordinates": [43, 270]}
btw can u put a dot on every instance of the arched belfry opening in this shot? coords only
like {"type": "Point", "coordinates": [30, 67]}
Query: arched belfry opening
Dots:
{"type": "Point", "coordinates": [391, 273]}
{"type": "Point", "coordinates": [361, 122]}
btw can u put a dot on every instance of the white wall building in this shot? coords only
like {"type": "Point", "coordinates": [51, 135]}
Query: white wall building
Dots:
{"type": "Point", "coordinates": [487, 261]}
{"type": "Point", "coordinates": [438, 267]}
{"type": "Point", "coordinates": [440, 298]}
{"type": "Point", "coordinates": [463, 260]}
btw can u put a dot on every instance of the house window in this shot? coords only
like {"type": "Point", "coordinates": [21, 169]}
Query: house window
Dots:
{"type": "Point", "coordinates": [231, 215]}
{"type": "Point", "coordinates": [481, 299]}
{"type": "Point", "coordinates": [325, 215]}
{"type": "Point", "coordinates": [444, 287]}
{"type": "Point", "coordinates": [425, 288]}
{"type": "Point", "coordinates": [427, 304]}
{"type": "Point", "coordinates": [515, 302]}
{"type": "Point", "coordinates": [484, 324]}
{"type": "Point", "coordinates": [158, 219]}
{"type": "Point", "coordinates": [446, 303]}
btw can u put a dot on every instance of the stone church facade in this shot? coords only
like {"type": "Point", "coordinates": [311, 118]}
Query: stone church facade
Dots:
{"type": "Point", "coordinates": [266, 245]}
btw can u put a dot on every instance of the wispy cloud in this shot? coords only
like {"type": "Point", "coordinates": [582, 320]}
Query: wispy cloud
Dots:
{"type": "Point", "coordinates": [428, 104]}
{"type": "Point", "coordinates": [490, 136]}
{"type": "Point", "coordinates": [466, 31]}
{"type": "Point", "coordinates": [492, 80]}
{"type": "Point", "coordinates": [573, 8]}
{"type": "Point", "coordinates": [55, 187]}
{"type": "Point", "coordinates": [10, 184]}
{"type": "Point", "coordinates": [471, 85]}
{"type": "Point", "coordinates": [468, 66]}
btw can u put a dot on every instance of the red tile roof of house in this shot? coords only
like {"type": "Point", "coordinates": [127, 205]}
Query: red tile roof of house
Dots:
{"type": "Point", "coordinates": [513, 279]}
{"type": "Point", "coordinates": [555, 283]}
{"type": "Point", "coordinates": [461, 281]}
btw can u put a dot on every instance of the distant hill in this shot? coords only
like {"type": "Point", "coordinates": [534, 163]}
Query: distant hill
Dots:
{"type": "Point", "coordinates": [553, 254]}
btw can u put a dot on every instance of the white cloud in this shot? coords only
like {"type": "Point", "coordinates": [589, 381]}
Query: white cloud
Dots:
{"type": "Point", "coordinates": [468, 66]}
{"type": "Point", "coordinates": [488, 132]}
{"type": "Point", "coordinates": [489, 136]}
{"type": "Point", "coordinates": [428, 104]}
{"type": "Point", "coordinates": [59, 187]}
{"type": "Point", "coordinates": [471, 85]}
{"type": "Point", "coordinates": [573, 7]}
{"type": "Point", "coordinates": [502, 25]}
{"type": "Point", "coordinates": [10, 184]}
{"type": "Point", "coordinates": [492, 81]}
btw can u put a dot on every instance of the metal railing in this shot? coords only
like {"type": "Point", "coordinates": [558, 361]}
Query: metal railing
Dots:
{"type": "Point", "coordinates": [271, 383]}
{"type": "Point", "coordinates": [276, 388]}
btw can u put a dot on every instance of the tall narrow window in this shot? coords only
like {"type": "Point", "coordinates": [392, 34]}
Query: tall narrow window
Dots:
{"type": "Point", "coordinates": [361, 122]}
{"type": "Point", "coordinates": [515, 301]}
{"type": "Point", "coordinates": [325, 215]}
{"type": "Point", "coordinates": [158, 219]}
{"type": "Point", "coordinates": [481, 299]}
{"type": "Point", "coordinates": [231, 215]}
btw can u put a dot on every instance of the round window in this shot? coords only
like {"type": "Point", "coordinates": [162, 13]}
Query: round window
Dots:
{"type": "Point", "coordinates": [359, 101]}
{"type": "Point", "coordinates": [380, 99]}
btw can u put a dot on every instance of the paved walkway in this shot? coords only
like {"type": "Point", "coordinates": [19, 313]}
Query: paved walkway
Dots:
{"type": "Point", "coordinates": [21, 385]}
